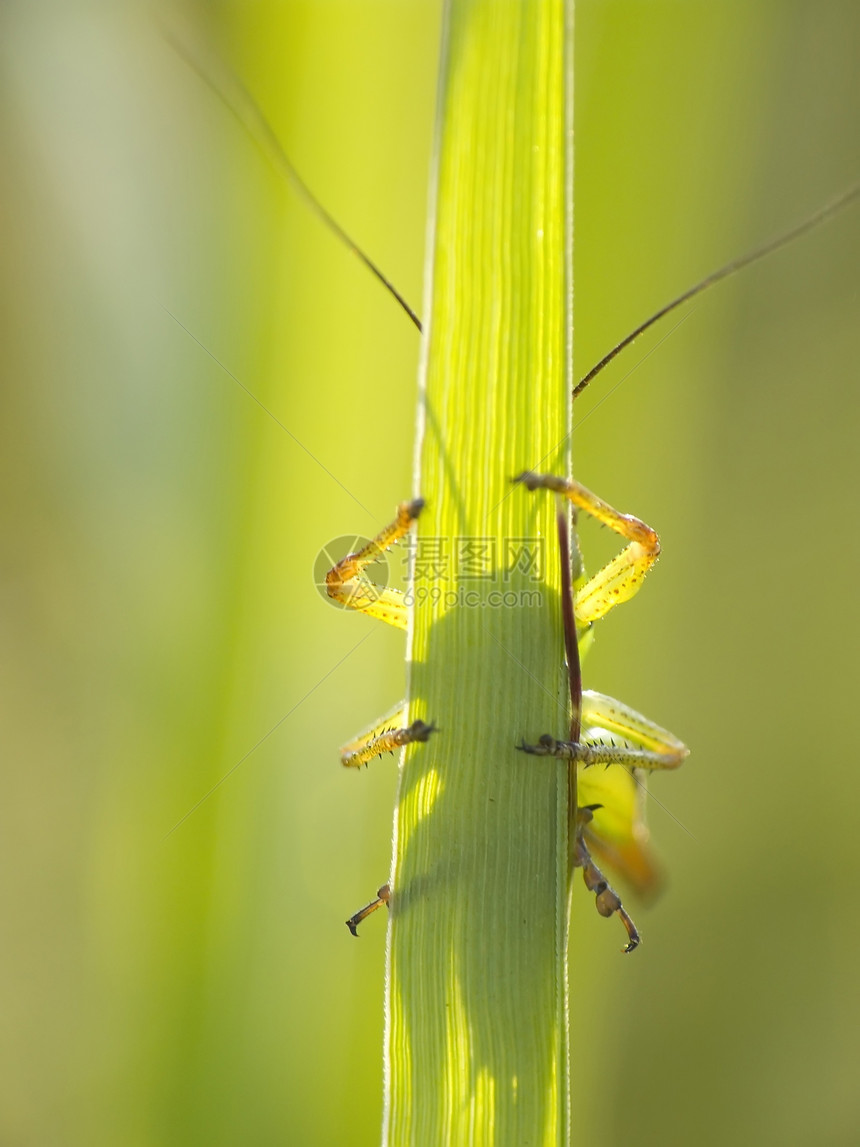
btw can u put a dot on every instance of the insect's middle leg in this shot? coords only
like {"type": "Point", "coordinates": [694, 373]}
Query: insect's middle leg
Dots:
{"type": "Point", "coordinates": [621, 578]}
{"type": "Point", "coordinates": [383, 896]}
{"type": "Point", "coordinates": [644, 744]}
{"type": "Point", "coordinates": [606, 898]}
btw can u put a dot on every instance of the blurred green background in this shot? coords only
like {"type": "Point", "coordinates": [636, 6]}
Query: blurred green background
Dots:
{"type": "Point", "coordinates": [161, 625]}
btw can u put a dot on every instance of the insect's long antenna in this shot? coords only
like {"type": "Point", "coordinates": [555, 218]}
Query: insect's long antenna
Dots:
{"type": "Point", "coordinates": [239, 101]}
{"type": "Point", "coordinates": [723, 273]}
{"type": "Point", "coordinates": [574, 671]}
{"type": "Point", "coordinates": [571, 645]}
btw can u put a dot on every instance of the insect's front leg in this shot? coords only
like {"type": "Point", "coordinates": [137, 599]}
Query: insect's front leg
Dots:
{"type": "Point", "coordinates": [347, 584]}
{"type": "Point", "coordinates": [621, 578]}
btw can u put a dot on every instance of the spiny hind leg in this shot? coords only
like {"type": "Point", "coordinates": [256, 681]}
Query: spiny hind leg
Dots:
{"type": "Point", "coordinates": [602, 712]}
{"type": "Point", "coordinates": [606, 898]}
{"type": "Point", "coordinates": [613, 733]}
{"type": "Point", "coordinates": [383, 896]}
{"type": "Point", "coordinates": [590, 751]}
{"type": "Point", "coordinates": [649, 746]}
{"type": "Point", "coordinates": [621, 578]}
{"type": "Point", "coordinates": [618, 836]}
{"type": "Point", "coordinates": [384, 736]}
{"type": "Point", "coordinates": [346, 583]}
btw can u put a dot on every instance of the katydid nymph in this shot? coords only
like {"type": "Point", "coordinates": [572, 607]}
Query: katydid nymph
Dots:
{"type": "Point", "coordinates": [606, 808]}
{"type": "Point", "coordinates": [606, 819]}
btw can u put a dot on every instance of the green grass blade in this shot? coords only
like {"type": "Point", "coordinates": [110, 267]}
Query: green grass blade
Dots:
{"type": "Point", "coordinates": [476, 1048]}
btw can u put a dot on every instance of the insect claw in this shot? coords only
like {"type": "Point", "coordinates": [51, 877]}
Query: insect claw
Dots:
{"type": "Point", "coordinates": [420, 731]}
{"type": "Point", "coordinates": [633, 937]}
{"type": "Point", "coordinates": [545, 747]}
{"type": "Point", "coordinates": [528, 479]}
{"type": "Point", "coordinates": [534, 750]}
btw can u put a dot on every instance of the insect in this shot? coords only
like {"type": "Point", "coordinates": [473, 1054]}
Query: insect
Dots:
{"type": "Point", "coordinates": [606, 814]}
{"type": "Point", "coordinates": [604, 731]}
{"type": "Point", "coordinates": [607, 820]}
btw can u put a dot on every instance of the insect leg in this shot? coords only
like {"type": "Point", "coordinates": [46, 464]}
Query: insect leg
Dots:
{"type": "Point", "coordinates": [613, 733]}
{"type": "Point", "coordinates": [384, 736]}
{"type": "Point", "coordinates": [651, 746]}
{"type": "Point", "coordinates": [605, 713]}
{"type": "Point", "coordinates": [383, 896]}
{"type": "Point", "coordinates": [598, 753]}
{"type": "Point", "coordinates": [606, 898]}
{"type": "Point", "coordinates": [621, 578]}
{"type": "Point", "coordinates": [346, 584]}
